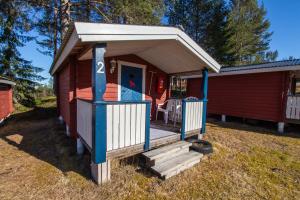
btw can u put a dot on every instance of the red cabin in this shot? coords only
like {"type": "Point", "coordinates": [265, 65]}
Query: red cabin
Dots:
{"type": "Point", "coordinates": [6, 98]}
{"type": "Point", "coordinates": [269, 92]}
{"type": "Point", "coordinates": [111, 79]}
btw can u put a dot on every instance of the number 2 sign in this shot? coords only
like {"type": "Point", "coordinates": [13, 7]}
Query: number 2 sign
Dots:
{"type": "Point", "coordinates": [100, 67]}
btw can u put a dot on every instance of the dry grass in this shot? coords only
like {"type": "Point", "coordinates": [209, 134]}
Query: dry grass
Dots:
{"type": "Point", "coordinates": [39, 162]}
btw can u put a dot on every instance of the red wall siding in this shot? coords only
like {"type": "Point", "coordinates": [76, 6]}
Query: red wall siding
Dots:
{"type": "Point", "coordinates": [84, 79]}
{"type": "Point", "coordinates": [6, 101]}
{"type": "Point", "coordinates": [64, 96]}
{"type": "Point", "coordinates": [84, 82]}
{"type": "Point", "coordinates": [255, 96]}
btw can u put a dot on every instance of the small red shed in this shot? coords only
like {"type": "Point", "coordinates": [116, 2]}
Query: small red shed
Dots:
{"type": "Point", "coordinates": [6, 98]}
{"type": "Point", "coordinates": [268, 91]}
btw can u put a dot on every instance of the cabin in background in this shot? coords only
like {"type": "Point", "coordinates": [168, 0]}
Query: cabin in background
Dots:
{"type": "Point", "coordinates": [6, 98]}
{"type": "Point", "coordinates": [110, 80]}
{"type": "Point", "coordinates": [268, 91]}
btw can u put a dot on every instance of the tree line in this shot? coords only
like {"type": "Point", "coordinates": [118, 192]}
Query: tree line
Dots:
{"type": "Point", "coordinates": [233, 32]}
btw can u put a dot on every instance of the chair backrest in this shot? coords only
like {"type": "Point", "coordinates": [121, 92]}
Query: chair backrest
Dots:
{"type": "Point", "coordinates": [170, 105]}
{"type": "Point", "coordinates": [191, 98]}
{"type": "Point", "coordinates": [178, 106]}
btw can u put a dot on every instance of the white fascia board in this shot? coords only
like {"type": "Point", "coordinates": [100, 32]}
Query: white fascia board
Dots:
{"type": "Point", "coordinates": [249, 71]}
{"type": "Point", "coordinates": [66, 51]}
{"type": "Point", "coordinates": [7, 82]}
{"type": "Point", "coordinates": [122, 29]}
{"type": "Point", "coordinates": [112, 38]}
{"type": "Point", "coordinates": [198, 51]}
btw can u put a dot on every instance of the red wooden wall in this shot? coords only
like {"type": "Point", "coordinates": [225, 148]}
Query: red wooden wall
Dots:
{"type": "Point", "coordinates": [74, 81]}
{"type": "Point", "coordinates": [63, 91]}
{"type": "Point", "coordinates": [6, 100]}
{"type": "Point", "coordinates": [259, 96]}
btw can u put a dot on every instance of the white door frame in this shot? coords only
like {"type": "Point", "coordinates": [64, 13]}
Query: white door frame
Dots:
{"type": "Point", "coordinates": [130, 64]}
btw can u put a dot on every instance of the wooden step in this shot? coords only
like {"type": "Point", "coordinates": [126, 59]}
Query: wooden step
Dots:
{"type": "Point", "coordinates": [177, 164]}
{"type": "Point", "coordinates": [166, 152]}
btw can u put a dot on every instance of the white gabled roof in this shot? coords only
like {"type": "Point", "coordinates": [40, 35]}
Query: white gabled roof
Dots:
{"type": "Point", "coordinates": [7, 81]}
{"type": "Point", "coordinates": [166, 47]}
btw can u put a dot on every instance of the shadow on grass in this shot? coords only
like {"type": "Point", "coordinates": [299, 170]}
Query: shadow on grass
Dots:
{"type": "Point", "coordinates": [44, 138]}
{"type": "Point", "coordinates": [140, 164]}
{"type": "Point", "coordinates": [257, 126]}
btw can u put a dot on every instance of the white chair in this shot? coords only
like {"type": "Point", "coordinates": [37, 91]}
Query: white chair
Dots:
{"type": "Point", "coordinates": [178, 110]}
{"type": "Point", "coordinates": [166, 111]}
{"type": "Point", "coordinates": [177, 114]}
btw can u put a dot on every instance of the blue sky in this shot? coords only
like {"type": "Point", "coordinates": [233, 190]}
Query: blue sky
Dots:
{"type": "Point", "coordinates": [283, 15]}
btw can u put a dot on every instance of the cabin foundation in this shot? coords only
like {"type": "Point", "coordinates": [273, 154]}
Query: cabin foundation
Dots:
{"type": "Point", "coordinates": [281, 127]}
{"type": "Point", "coordinates": [223, 118]}
{"type": "Point", "coordinates": [60, 119]}
{"type": "Point", "coordinates": [80, 146]}
{"type": "Point", "coordinates": [101, 172]}
{"type": "Point", "coordinates": [67, 130]}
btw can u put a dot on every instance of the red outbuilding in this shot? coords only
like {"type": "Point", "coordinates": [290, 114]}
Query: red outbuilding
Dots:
{"type": "Point", "coordinates": [269, 92]}
{"type": "Point", "coordinates": [6, 98]}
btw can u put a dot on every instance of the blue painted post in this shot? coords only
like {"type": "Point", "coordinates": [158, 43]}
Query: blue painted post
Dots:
{"type": "Point", "coordinates": [99, 109]}
{"type": "Point", "coordinates": [204, 95]}
{"type": "Point", "coordinates": [147, 127]}
{"type": "Point", "coordinates": [182, 136]}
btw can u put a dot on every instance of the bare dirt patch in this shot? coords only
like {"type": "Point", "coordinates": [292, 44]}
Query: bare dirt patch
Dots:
{"type": "Point", "coordinates": [38, 161]}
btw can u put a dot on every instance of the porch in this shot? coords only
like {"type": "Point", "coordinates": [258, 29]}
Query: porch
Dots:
{"type": "Point", "coordinates": [293, 109]}
{"type": "Point", "coordinates": [293, 99]}
{"type": "Point", "coordinates": [128, 129]}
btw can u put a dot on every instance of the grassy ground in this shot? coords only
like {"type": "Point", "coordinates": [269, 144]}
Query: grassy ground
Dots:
{"type": "Point", "coordinates": [39, 162]}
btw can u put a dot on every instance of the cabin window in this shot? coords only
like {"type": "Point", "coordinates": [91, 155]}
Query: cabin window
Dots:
{"type": "Point", "coordinates": [178, 87]}
{"type": "Point", "coordinates": [297, 87]}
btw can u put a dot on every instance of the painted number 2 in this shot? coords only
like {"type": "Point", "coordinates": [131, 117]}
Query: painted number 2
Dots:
{"type": "Point", "coordinates": [100, 67]}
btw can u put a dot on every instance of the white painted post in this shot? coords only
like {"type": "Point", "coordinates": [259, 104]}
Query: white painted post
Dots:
{"type": "Point", "coordinates": [80, 147]}
{"type": "Point", "coordinates": [281, 127]}
{"type": "Point", "coordinates": [223, 118]}
{"type": "Point", "coordinates": [200, 136]}
{"type": "Point", "coordinates": [101, 172]}
{"type": "Point", "coordinates": [67, 130]}
{"type": "Point", "coordinates": [61, 119]}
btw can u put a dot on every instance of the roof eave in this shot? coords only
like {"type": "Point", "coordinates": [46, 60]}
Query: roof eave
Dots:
{"type": "Point", "coordinates": [74, 36]}
{"type": "Point", "coordinates": [7, 82]}
{"type": "Point", "coordinates": [249, 71]}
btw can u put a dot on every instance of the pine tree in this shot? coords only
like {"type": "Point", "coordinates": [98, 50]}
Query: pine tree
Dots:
{"type": "Point", "coordinates": [204, 21]}
{"type": "Point", "coordinates": [48, 26]}
{"type": "Point", "coordinates": [147, 12]}
{"type": "Point", "coordinates": [248, 33]}
{"type": "Point", "coordinates": [215, 32]}
{"type": "Point", "coordinates": [55, 16]}
{"type": "Point", "coordinates": [15, 22]}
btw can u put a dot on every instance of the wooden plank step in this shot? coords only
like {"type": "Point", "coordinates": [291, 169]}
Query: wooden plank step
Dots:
{"type": "Point", "coordinates": [166, 150]}
{"type": "Point", "coordinates": [177, 164]}
{"type": "Point", "coordinates": [157, 161]}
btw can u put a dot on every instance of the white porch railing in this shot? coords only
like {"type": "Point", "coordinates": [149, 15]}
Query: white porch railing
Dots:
{"type": "Point", "coordinates": [84, 121]}
{"type": "Point", "coordinates": [192, 113]}
{"type": "Point", "coordinates": [293, 107]}
{"type": "Point", "coordinates": [125, 125]}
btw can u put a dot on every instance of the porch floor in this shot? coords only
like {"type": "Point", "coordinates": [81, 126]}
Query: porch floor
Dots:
{"type": "Point", "coordinates": [158, 129]}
